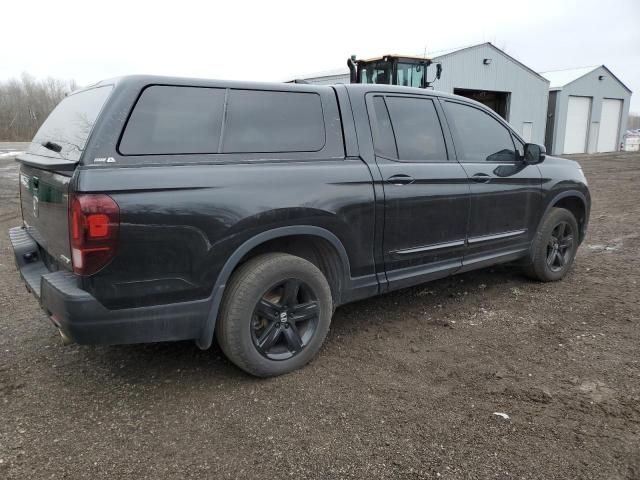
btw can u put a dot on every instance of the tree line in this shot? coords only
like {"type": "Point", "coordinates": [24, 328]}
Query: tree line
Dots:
{"type": "Point", "coordinates": [26, 102]}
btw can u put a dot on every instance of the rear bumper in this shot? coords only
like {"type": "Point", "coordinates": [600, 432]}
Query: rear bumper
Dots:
{"type": "Point", "coordinates": [83, 319]}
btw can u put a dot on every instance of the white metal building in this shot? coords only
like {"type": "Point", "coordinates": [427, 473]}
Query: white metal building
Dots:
{"type": "Point", "coordinates": [486, 74]}
{"type": "Point", "coordinates": [588, 111]}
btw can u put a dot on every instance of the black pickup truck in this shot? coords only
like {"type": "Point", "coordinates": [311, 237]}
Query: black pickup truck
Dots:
{"type": "Point", "coordinates": [159, 209]}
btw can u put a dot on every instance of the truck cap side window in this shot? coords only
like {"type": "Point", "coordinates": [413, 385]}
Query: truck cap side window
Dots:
{"type": "Point", "coordinates": [479, 137]}
{"type": "Point", "coordinates": [189, 120]}
{"type": "Point", "coordinates": [174, 120]}
{"type": "Point", "coordinates": [261, 121]}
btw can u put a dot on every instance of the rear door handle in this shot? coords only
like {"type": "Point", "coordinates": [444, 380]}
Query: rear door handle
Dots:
{"type": "Point", "coordinates": [481, 178]}
{"type": "Point", "coordinates": [400, 179]}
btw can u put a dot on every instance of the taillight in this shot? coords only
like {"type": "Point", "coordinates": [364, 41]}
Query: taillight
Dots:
{"type": "Point", "coordinates": [94, 221]}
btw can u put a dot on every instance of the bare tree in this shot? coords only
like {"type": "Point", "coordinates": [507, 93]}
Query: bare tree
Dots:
{"type": "Point", "coordinates": [634, 121]}
{"type": "Point", "coordinates": [26, 102]}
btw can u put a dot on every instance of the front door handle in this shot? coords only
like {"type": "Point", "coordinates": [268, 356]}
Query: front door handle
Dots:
{"type": "Point", "coordinates": [481, 178]}
{"type": "Point", "coordinates": [400, 179]}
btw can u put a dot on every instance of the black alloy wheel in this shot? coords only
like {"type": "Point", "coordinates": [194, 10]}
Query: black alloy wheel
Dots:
{"type": "Point", "coordinates": [560, 246]}
{"type": "Point", "coordinates": [275, 314]}
{"type": "Point", "coordinates": [554, 246]}
{"type": "Point", "coordinates": [285, 320]}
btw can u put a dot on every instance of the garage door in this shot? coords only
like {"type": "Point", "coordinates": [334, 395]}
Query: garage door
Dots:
{"type": "Point", "coordinates": [575, 136]}
{"type": "Point", "coordinates": [609, 125]}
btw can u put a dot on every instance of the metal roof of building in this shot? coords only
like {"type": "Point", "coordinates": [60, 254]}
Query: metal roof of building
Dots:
{"type": "Point", "coordinates": [436, 55]}
{"type": "Point", "coordinates": [560, 78]}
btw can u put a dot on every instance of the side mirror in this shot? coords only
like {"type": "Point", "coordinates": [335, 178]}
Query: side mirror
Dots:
{"type": "Point", "coordinates": [534, 153]}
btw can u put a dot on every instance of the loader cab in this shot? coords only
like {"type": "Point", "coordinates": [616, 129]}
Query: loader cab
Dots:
{"type": "Point", "coordinates": [393, 70]}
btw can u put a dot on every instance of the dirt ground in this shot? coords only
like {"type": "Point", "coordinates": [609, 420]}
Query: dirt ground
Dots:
{"type": "Point", "coordinates": [406, 385]}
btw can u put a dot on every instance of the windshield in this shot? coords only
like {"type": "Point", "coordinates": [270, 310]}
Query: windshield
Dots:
{"type": "Point", "coordinates": [410, 74]}
{"type": "Point", "coordinates": [65, 132]}
{"type": "Point", "coordinates": [379, 72]}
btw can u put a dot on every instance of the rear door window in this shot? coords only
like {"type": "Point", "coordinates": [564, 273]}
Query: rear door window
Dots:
{"type": "Point", "coordinates": [479, 137]}
{"type": "Point", "coordinates": [174, 120]}
{"type": "Point", "coordinates": [408, 128]}
{"type": "Point", "coordinates": [417, 128]}
{"type": "Point", "coordinates": [264, 121]}
{"type": "Point", "coordinates": [383, 139]}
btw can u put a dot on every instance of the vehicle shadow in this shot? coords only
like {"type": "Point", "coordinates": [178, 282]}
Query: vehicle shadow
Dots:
{"type": "Point", "coordinates": [471, 287]}
{"type": "Point", "coordinates": [164, 362]}
{"type": "Point", "coordinates": [184, 362]}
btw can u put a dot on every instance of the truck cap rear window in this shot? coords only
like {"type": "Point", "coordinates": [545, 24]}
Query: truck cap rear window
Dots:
{"type": "Point", "coordinates": [65, 132]}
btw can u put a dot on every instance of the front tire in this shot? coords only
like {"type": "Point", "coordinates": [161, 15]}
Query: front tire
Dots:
{"type": "Point", "coordinates": [275, 314]}
{"type": "Point", "coordinates": [554, 246]}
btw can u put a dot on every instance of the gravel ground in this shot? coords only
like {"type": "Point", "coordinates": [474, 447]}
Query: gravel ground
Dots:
{"type": "Point", "coordinates": [406, 385]}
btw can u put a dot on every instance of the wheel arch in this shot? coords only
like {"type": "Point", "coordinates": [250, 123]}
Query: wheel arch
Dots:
{"type": "Point", "coordinates": [574, 201]}
{"type": "Point", "coordinates": [252, 247]}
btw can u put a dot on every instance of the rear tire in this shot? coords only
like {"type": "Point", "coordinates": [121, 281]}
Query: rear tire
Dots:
{"type": "Point", "coordinates": [275, 314]}
{"type": "Point", "coordinates": [554, 246]}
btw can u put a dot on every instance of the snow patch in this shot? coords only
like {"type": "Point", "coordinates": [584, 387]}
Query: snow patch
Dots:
{"type": "Point", "coordinates": [10, 154]}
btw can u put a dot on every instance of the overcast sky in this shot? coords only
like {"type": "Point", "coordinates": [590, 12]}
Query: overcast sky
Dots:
{"type": "Point", "coordinates": [274, 40]}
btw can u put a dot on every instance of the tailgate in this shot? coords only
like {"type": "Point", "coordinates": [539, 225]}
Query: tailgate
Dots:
{"type": "Point", "coordinates": [46, 169]}
{"type": "Point", "coordinates": [44, 197]}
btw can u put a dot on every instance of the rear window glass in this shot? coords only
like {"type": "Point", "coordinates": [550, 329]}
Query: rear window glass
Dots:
{"type": "Point", "coordinates": [173, 120]}
{"type": "Point", "coordinates": [67, 128]}
{"type": "Point", "coordinates": [263, 122]}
